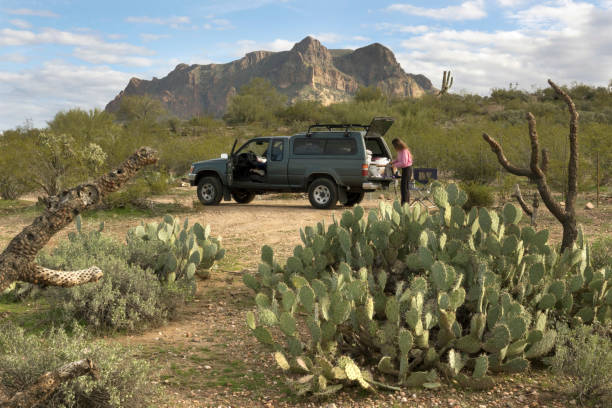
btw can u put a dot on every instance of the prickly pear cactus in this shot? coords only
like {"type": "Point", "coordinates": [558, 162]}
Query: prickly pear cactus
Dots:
{"type": "Point", "coordinates": [192, 250]}
{"type": "Point", "coordinates": [408, 295]}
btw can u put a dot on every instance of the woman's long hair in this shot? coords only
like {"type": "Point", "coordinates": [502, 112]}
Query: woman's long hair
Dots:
{"type": "Point", "coordinates": [399, 144]}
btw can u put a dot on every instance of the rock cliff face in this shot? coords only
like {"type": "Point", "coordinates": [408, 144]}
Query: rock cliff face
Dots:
{"type": "Point", "coordinates": [307, 71]}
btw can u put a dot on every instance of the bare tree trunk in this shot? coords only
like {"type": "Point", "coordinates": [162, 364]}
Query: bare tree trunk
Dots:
{"type": "Point", "coordinates": [48, 383]}
{"type": "Point", "coordinates": [17, 260]}
{"type": "Point", "coordinates": [537, 170]}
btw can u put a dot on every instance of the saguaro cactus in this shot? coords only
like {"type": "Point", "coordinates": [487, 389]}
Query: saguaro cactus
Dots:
{"type": "Point", "coordinates": [17, 261]}
{"type": "Point", "coordinates": [447, 83]}
{"type": "Point", "coordinates": [538, 166]}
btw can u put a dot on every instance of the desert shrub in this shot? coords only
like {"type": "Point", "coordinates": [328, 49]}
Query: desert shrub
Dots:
{"type": "Point", "coordinates": [601, 252]}
{"type": "Point", "coordinates": [411, 297]}
{"type": "Point", "coordinates": [134, 195]}
{"type": "Point", "coordinates": [587, 357]}
{"type": "Point", "coordinates": [126, 298]}
{"type": "Point", "coordinates": [158, 181]}
{"type": "Point", "coordinates": [478, 195]}
{"type": "Point", "coordinates": [121, 382]}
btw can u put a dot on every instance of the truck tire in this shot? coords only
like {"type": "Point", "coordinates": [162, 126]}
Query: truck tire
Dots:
{"type": "Point", "coordinates": [210, 190]}
{"type": "Point", "coordinates": [354, 198]}
{"type": "Point", "coordinates": [323, 193]}
{"type": "Point", "coordinates": [242, 196]}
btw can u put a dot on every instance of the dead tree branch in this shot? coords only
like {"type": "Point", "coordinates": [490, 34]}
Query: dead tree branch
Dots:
{"type": "Point", "coordinates": [531, 212]}
{"type": "Point", "coordinates": [539, 165]}
{"type": "Point", "coordinates": [48, 383]}
{"type": "Point", "coordinates": [17, 261]}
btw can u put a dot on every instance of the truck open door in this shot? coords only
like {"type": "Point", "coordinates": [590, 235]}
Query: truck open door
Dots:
{"type": "Point", "coordinates": [229, 173]}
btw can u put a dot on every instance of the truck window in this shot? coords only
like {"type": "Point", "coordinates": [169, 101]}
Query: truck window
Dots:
{"type": "Point", "coordinates": [327, 147]}
{"type": "Point", "coordinates": [340, 146]}
{"type": "Point", "coordinates": [374, 146]}
{"type": "Point", "coordinates": [276, 153]}
{"type": "Point", "coordinates": [308, 146]}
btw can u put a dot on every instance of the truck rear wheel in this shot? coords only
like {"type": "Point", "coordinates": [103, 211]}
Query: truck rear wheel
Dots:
{"type": "Point", "coordinates": [353, 198]}
{"type": "Point", "coordinates": [210, 190]}
{"type": "Point", "coordinates": [322, 193]}
{"type": "Point", "coordinates": [242, 196]}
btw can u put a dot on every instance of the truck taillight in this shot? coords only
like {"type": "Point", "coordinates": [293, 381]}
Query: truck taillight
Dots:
{"type": "Point", "coordinates": [364, 170]}
{"type": "Point", "coordinates": [191, 170]}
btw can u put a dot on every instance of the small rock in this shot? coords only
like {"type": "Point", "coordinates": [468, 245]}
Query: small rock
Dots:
{"type": "Point", "coordinates": [207, 367]}
{"type": "Point", "coordinates": [589, 206]}
{"type": "Point", "coordinates": [404, 399]}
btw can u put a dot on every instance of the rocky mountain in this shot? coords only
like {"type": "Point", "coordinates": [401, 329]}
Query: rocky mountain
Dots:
{"type": "Point", "coordinates": [307, 71]}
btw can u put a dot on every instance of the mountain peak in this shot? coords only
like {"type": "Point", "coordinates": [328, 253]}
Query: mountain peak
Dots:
{"type": "Point", "coordinates": [308, 71]}
{"type": "Point", "coordinates": [308, 44]}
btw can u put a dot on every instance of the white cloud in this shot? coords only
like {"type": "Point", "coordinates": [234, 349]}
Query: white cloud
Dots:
{"type": "Point", "coordinates": [218, 24]}
{"type": "Point", "coordinates": [31, 12]}
{"type": "Point", "coordinates": [173, 22]}
{"type": "Point", "coordinates": [468, 10]}
{"type": "Point", "coordinates": [40, 93]}
{"type": "Point", "coordinates": [334, 38]}
{"type": "Point", "coordinates": [89, 47]}
{"type": "Point", "coordinates": [153, 37]}
{"type": "Point", "coordinates": [20, 23]}
{"type": "Point", "coordinates": [15, 57]}
{"type": "Point", "coordinates": [242, 47]}
{"type": "Point", "coordinates": [511, 3]}
{"type": "Point", "coordinates": [329, 38]}
{"type": "Point", "coordinates": [411, 29]}
{"type": "Point", "coordinates": [554, 41]}
{"type": "Point", "coordinates": [556, 14]}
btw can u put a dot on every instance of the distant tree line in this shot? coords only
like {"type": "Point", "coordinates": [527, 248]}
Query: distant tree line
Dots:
{"type": "Point", "coordinates": [442, 132]}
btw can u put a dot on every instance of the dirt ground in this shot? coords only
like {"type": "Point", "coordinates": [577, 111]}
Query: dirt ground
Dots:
{"type": "Point", "coordinates": [207, 357]}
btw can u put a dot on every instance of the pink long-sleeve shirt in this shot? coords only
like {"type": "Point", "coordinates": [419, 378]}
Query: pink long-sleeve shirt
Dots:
{"type": "Point", "coordinates": [404, 159]}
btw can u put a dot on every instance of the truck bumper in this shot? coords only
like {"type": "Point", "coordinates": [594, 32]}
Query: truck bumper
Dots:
{"type": "Point", "coordinates": [191, 177]}
{"type": "Point", "coordinates": [368, 186]}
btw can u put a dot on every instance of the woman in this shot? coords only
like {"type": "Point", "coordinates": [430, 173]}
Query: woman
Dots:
{"type": "Point", "coordinates": [404, 162]}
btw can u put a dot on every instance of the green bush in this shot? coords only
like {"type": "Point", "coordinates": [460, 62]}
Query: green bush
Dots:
{"type": "Point", "coordinates": [122, 382]}
{"type": "Point", "coordinates": [134, 195]}
{"type": "Point", "coordinates": [478, 195]}
{"type": "Point", "coordinates": [587, 357]}
{"type": "Point", "coordinates": [126, 298]}
{"type": "Point", "coordinates": [413, 297]}
{"type": "Point", "coordinates": [601, 252]}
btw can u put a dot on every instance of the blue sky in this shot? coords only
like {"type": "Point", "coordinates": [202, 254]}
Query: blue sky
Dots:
{"type": "Point", "coordinates": [61, 54]}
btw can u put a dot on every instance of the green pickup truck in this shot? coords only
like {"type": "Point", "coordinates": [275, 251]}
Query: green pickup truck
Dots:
{"type": "Point", "coordinates": [331, 162]}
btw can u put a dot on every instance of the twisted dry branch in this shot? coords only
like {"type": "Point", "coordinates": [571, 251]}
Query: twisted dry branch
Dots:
{"type": "Point", "coordinates": [48, 383]}
{"type": "Point", "coordinates": [17, 261]}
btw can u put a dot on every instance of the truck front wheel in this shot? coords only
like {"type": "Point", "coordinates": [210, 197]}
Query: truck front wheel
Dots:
{"type": "Point", "coordinates": [242, 196]}
{"type": "Point", "coordinates": [323, 193]}
{"type": "Point", "coordinates": [210, 190]}
{"type": "Point", "coordinates": [353, 198]}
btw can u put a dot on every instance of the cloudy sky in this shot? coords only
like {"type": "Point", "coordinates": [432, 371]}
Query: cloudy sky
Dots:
{"type": "Point", "coordinates": [60, 54]}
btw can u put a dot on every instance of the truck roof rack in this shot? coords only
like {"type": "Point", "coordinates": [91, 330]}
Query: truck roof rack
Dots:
{"type": "Point", "coordinates": [329, 127]}
{"type": "Point", "coordinates": [378, 127]}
